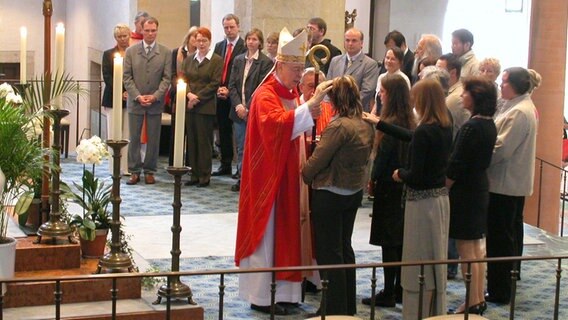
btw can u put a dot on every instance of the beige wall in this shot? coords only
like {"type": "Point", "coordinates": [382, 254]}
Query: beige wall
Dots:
{"type": "Point", "coordinates": [272, 16]}
{"type": "Point", "coordinates": [173, 18]}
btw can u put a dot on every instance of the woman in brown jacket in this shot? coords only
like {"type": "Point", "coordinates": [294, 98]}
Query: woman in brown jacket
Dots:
{"type": "Point", "coordinates": [203, 71]}
{"type": "Point", "coordinates": [337, 172]}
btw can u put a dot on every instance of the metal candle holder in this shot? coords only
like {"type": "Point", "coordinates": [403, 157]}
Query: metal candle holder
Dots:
{"type": "Point", "coordinates": [175, 288]}
{"type": "Point", "coordinates": [55, 227]}
{"type": "Point", "coordinates": [115, 260]}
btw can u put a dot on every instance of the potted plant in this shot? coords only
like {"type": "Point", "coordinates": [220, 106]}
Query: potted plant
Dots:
{"type": "Point", "coordinates": [21, 162]}
{"type": "Point", "coordinates": [94, 196]}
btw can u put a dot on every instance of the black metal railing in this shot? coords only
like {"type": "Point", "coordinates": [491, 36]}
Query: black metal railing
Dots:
{"type": "Point", "coordinates": [563, 192]}
{"type": "Point", "coordinates": [58, 294]}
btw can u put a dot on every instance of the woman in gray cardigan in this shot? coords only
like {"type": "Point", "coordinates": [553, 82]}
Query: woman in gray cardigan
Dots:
{"type": "Point", "coordinates": [337, 173]}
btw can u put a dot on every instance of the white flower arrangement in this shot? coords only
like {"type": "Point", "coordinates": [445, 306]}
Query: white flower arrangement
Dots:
{"type": "Point", "coordinates": [5, 89]}
{"type": "Point", "coordinates": [92, 151]}
{"type": "Point", "coordinates": [7, 93]}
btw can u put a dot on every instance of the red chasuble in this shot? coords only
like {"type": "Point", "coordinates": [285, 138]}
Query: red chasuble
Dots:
{"type": "Point", "coordinates": [270, 176]}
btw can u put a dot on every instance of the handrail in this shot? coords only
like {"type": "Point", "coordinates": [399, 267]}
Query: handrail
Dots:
{"type": "Point", "coordinates": [221, 272]}
{"type": "Point", "coordinates": [275, 269]}
{"type": "Point", "coordinates": [564, 175]}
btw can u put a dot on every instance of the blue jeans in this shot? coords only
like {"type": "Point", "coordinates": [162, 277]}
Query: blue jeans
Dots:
{"type": "Point", "coordinates": [240, 130]}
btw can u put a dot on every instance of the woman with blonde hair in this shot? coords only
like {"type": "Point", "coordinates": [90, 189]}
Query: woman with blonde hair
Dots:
{"type": "Point", "coordinates": [337, 170]}
{"type": "Point", "coordinates": [427, 207]}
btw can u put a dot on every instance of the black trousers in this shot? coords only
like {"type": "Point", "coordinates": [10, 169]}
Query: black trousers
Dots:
{"type": "Point", "coordinates": [504, 239]}
{"type": "Point", "coordinates": [225, 131]}
{"type": "Point", "coordinates": [333, 218]}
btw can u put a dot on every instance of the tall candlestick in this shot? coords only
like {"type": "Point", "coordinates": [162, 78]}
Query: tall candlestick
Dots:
{"type": "Point", "coordinates": [180, 123]}
{"type": "Point", "coordinates": [23, 50]}
{"type": "Point", "coordinates": [117, 98]}
{"type": "Point", "coordinates": [59, 57]}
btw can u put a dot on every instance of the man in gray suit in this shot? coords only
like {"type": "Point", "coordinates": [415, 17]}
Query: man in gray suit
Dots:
{"type": "Point", "coordinates": [147, 74]}
{"type": "Point", "coordinates": [355, 63]}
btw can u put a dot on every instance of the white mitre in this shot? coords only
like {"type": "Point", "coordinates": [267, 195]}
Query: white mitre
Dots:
{"type": "Point", "coordinates": [292, 49]}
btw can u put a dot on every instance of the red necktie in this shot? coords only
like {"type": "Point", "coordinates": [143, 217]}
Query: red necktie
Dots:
{"type": "Point", "coordinates": [226, 65]}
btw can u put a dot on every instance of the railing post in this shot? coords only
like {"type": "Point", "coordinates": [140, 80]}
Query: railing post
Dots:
{"type": "Point", "coordinates": [557, 292]}
{"type": "Point", "coordinates": [563, 203]}
{"type": "Point", "coordinates": [421, 280]}
{"type": "Point", "coordinates": [221, 295]}
{"type": "Point", "coordinates": [539, 194]}
{"type": "Point", "coordinates": [273, 296]}
{"type": "Point", "coordinates": [514, 277]}
{"type": "Point", "coordinates": [57, 293]}
{"type": "Point", "coordinates": [114, 295]}
{"type": "Point", "coordinates": [168, 298]}
{"type": "Point", "coordinates": [467, 290]}
{"type": "Point", "coordinates": [324, 288]}
{"type": "Point", "coordinates": [1, 302]}
{"type": "Point", "coordinates": [373, 291]}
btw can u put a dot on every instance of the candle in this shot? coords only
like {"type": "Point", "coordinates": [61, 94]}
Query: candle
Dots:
{"type": "Point", "coordinates": [59, 57]}
{"type": "Point", "coordinates": [23, 50]}
{"type": "Point", "coordinates": [180, 123]}
{"type": "Point", "coordinates": [116, 133]}
{"type": "Point", "coordinates": [59, 47]}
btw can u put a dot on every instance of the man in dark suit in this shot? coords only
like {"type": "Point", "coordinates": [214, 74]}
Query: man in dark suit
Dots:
{"type": "Point", "coordinates": [147, 76]}
{"type": "Point", "coordinates": [396, 39]}
{"type": "Point", "coordinates": [318, 28]}
{"type": "Point", "coordinates": [355, 63]}
{"type": "Point", "coordinates": [228, 49]}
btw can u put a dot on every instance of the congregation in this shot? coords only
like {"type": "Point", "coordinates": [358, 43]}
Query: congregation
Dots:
{"type": "Point", "coordinates": [446, 154]}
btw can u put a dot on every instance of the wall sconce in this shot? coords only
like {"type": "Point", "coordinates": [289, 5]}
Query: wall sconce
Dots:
{"type": "Point", "coordinates": [514, 6]}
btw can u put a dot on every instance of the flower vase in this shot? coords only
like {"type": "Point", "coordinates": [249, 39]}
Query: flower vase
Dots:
{"type": "Point", "coordinates": [96, 248]}
{"type": "Point", "coordinates": [8, 261]}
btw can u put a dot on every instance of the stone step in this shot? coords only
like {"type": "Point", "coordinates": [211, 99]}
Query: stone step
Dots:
{"type": "Point", "coordinates": [46, 256]}
{"type": "Point", "coordinates": [41, 293]}
{"type": "Point", "coordinates": [128, 309]}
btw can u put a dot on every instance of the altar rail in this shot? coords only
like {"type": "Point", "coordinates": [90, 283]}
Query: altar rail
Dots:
{"type": "Point", "coordinates": [58, 294]}
{"type": "Point", "coordinates": [542, 164]}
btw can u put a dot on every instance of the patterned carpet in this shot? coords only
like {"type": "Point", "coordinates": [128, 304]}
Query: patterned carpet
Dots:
{"type": "Point", "coordinates": [158, 198]}
{"type": "Point", "coordinates": [535, 296]}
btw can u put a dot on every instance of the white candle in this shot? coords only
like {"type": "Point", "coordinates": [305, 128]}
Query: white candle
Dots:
{"type": "Point", "coordinates": [23, 50]}
{"type": "Point", "coordinates": [117, 98]}
{"type": "Point", "coordinates": [59, 47]}
{"type": "Point", "coordinates": [180, 123]}
{"type": "Point", "coordinates": [59, 57]}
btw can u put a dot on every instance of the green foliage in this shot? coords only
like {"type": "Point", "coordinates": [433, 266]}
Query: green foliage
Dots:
{"type": "Point", "coordinates": [21, 159]}
{"type": "Point", "coordinates": [94, 197]}
{"type": "Point", "coordinates": [61, 86]}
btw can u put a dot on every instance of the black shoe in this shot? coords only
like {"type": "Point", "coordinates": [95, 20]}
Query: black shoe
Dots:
{"type": "Point", "coordinates": [236, 187]}
{"type": "Point", "coordinates": [203, 184]}
{"type": "Point", "coordinates": [191, 182]}
{"type": "Point", "coordinates": [278, 310]}
{"type": "Point", "coordinates": [236, 176]}
{"type": "Point", "coordinates": [381, 300]}
{"type": "Point", "coordinates": [311, 288]}
{"type": "Point", "coordinates": [496, 299]}
{"type": "Point", "coordinates": [475, 309]}
{"type": "Point", "coordinates": [222, 171]}
{"type": "Point", "coordinates": [398, 295]}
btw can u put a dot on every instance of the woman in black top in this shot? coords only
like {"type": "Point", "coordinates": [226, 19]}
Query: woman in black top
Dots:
{"type": "Point", "coordinates": [467, 177]}
{"type": "Point", "coordinates": [388, 209]}
{"type": "Point", "coordinates": [427, 207]}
